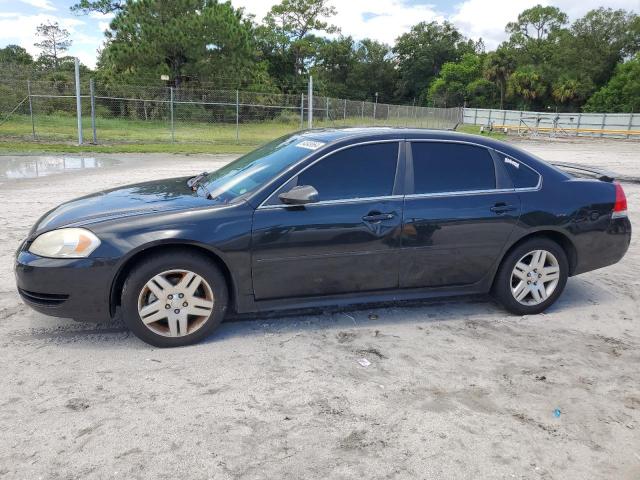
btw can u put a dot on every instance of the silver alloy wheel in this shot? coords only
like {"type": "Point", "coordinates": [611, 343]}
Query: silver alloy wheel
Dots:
{"type": "Point", "coordinates": [175, 303]}
{"type": "Point", "coordinates": [535, 277]}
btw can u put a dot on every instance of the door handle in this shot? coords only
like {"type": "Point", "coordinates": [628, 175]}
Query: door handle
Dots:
{"type": "Point", "coordinates": [378, 217]}
{"type": "Point", "coordinates": [502, 208]}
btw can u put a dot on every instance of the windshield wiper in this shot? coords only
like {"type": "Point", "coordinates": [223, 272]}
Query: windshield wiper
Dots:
{"type": "Point", "coordinates": [193, 182]}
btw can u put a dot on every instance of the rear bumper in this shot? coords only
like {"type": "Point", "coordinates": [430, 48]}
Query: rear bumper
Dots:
{"type": "Point", "coordinates": [602, 249]}
{"type": "Point", "coordinates": [69, 288]}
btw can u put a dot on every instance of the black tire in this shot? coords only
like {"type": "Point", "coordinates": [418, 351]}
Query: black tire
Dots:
{"type": "Point", "coordinates": [157, 263]}
{"type": "Point", "coordinates": [502, 283]}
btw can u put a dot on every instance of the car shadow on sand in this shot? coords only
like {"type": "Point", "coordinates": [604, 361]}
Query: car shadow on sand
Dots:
{"type": "Point", "coordinates": [579, 293]}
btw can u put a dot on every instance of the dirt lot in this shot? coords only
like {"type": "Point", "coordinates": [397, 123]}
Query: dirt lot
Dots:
{"type": "Point", "coordinates": [455, 389]}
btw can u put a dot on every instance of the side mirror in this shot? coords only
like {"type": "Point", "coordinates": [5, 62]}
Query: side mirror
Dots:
{"type": "Point", "coordinates": [300, 195]}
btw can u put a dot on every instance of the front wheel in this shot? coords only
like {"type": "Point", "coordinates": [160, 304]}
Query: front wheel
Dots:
{"type": "Point", "coordinates": [531, 277]}
{"type": "Point", "coordinates": [174, 299]}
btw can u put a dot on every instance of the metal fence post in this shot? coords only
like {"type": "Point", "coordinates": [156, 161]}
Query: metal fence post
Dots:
{"type": "Point", "coordinates": [302, 112]}
{"type": "Point", "coordinates": [326, 117]}
{"type": "Point", "coordinates": [344, 112]}
{"type": "Point", "coordinates": [173, 133]}
{"type": "Point", "coordinates": [630, 125]}
{"type": "Point", "coordinates": [362, 115]}
{"type": "Point", "coordinates": [604, 121]}
{"type": "Point", "coordinates": [78, 100]}
{"type": "Point", "coordinates": [237, 116]}
{"type": "Point", "coordinates": [33, 124]}
{"type": "Point", "coordinates": [92, 94]}
{"type": "Point", "coordinates": [310, 94]}
{"type": "Point", "coordinates": [578, 125]}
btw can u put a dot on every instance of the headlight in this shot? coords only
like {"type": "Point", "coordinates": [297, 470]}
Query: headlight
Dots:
{"type": "Point", "coordinates": [65, 243]}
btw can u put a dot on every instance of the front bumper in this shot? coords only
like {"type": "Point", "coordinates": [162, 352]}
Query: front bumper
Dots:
{"type": "Point", "coordinates": [69, 288]}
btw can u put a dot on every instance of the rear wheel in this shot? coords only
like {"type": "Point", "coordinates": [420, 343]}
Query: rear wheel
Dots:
{"type": "Point", "coordinates": [176, 299]}
{"type": "Point", "coordinates": [532, 276]}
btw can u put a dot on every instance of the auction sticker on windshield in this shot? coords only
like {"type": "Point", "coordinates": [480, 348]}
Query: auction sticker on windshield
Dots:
{"type": "Point", "coordinates": [310, 144]}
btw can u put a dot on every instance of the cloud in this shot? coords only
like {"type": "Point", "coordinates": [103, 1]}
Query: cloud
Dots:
{"type": "Point", "coordinates": [478, 19]}
{"type": "Point", "coordinates": [487, 19]}
{"type": "Point", "coordinates": [20, 29]}
{"type": "Point", "coordinates": [41, 4]}
{"type": "Point", "coordinates": [383, 20]}
{"type": "Point", "coordinates": [101, 16]}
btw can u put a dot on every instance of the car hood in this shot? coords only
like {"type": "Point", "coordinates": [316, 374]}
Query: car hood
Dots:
{"type": "Point", "coordinates": [130, 200]}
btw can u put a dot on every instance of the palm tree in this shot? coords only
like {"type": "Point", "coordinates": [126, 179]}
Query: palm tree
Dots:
{"type": "Point", "coordinates": [497, 68]}
{"type": "Point", "coordinates": [565, 90]}
{"type": "Point", "coordinates": [527, 83]}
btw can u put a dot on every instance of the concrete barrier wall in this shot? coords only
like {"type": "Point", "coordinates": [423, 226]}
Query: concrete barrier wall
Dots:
{"type": "Point", "coordinates": [614, 125]}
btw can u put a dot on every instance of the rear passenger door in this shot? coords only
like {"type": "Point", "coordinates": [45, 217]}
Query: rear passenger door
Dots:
{"type": "Point", "coordinates": [458, 214]}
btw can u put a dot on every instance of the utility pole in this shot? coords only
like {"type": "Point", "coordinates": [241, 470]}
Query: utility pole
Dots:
{"type": "Point", "coordinates": [310, 95]}
{"type": "Point", "coordinates": [78, 101]}
{"type": "Point", "coordinates": [92, 93]}
{"type": "Point", "coordinates": [375, 107]}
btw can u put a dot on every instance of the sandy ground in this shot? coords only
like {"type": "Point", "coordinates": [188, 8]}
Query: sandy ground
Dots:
{"type": "Point", "coordinates": [456, 389]}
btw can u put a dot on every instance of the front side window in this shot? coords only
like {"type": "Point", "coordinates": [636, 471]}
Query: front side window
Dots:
{"type": "Point", "coordinates": [358, 172]}
{"type": "Point", "coordinates": [451, 167]}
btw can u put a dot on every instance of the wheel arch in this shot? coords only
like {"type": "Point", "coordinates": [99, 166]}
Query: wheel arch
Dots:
{"type": "Point", "coordinates": [558, 237]}
{"type": "Point", "coordinates": [115, 294]}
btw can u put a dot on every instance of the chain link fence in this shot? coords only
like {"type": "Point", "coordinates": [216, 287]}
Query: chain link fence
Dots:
{"type": "Point", "coordinates": [46, 111]}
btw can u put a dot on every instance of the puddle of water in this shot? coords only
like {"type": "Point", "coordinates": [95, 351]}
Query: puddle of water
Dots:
{"type": "Point", "coordinates": [14, 168]}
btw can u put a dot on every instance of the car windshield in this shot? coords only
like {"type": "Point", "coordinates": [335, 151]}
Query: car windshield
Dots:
{"type": "Point", "coordinates": [251, 171]}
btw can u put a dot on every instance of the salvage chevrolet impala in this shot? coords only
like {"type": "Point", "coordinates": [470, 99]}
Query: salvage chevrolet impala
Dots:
{"type": "Point", "coordinates": [325, 218]}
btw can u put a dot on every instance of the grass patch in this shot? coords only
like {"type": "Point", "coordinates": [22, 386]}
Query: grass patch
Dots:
{"type": "Point", "coordinates": [57, 133]}
{"type": "Point", "coordinates": [475, 129]}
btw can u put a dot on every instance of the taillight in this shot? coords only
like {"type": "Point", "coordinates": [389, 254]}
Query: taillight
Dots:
{"type": "Point", "coordinates": [620, 207]}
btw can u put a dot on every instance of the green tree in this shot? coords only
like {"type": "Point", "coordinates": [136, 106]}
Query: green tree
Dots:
{"type": "Point", "coordinates": [536, 23]}
{"type": "Point", "coordinates": [423, 51]}
{"type": "Point", "coordinates": [184, 39]}
{"type": "Point", "coordinates": [84, 7]}
{"type": "Point", "coordinates": [621, 93]}
{"type": "Point", "coordinates": [607, 35]}
{"type": "Point", "coordinates": [482, 93]}
{"type": "Point", "coordinates": [15, 55]}
{"type": "Point", "coordinates": [333, 65]}
{"type": "Point", "coordinates": [288, 36]}
{"type": "Point", "coordinates": [451, 87]}
{"type": "Point", "coordinates": [498, 66]}
{"type": "Point", "coordinates": [528, 84]}
{"type": "Point", "coordinates": [54, 41]}
{"type": "Point", "coordinates": [374, 72]}
{"type": "Point", "coordinates": [535, 31]}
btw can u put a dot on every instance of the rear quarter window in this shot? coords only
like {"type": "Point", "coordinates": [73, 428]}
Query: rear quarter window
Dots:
{"type": "Point", "coordinates": [521, 175]}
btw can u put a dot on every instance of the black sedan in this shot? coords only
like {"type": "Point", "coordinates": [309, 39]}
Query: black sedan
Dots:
{"type": "Point", "coordinates": [324, 218]}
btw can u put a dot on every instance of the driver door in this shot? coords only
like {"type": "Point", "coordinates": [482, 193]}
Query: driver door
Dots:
{"type": "Point", "coordinates": [346, 242]}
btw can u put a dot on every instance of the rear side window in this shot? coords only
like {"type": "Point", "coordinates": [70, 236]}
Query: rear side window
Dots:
{"type": "Point", "coordinates": [357, 172]}
{"type": "Point", "coordinates": [451, 167]}
{"type": "Point", "coordinates": [521, 175]}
